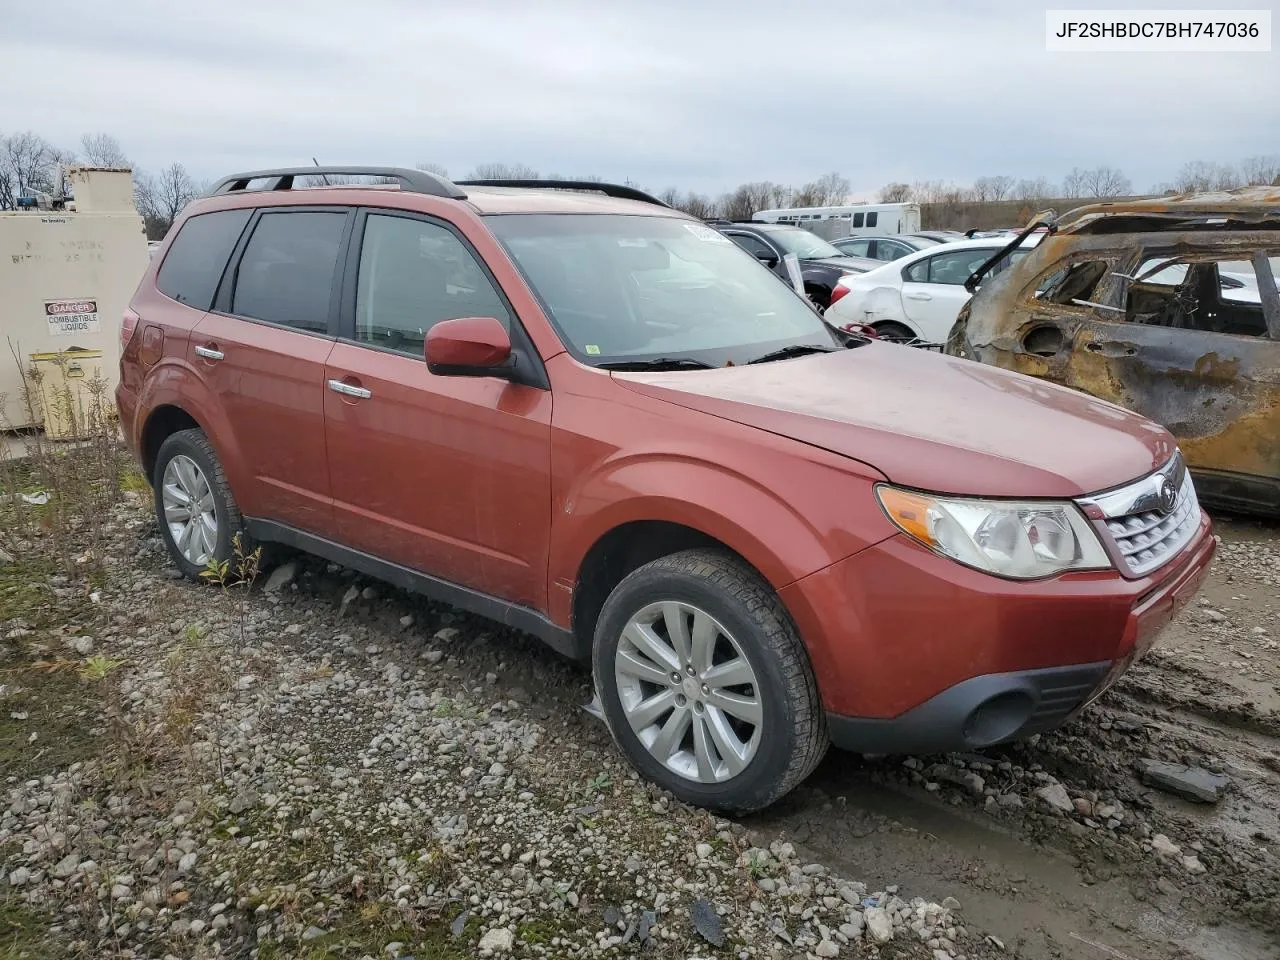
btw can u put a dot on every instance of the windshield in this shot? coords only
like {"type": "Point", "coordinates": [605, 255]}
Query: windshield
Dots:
{"type": "Point", "coordinates": [803, 244]}
{"type": "Point", "coordinates": [633, 288]}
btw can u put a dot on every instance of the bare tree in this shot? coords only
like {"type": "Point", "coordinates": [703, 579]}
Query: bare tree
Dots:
{"type": "Point", "coordinates": [895, 193]}
{"type": "Point", "coordinates": [1073, 183]}
{"type": "Point", "coordinates": [750, 198]}
{"type": "Point", "coordinates": [991, 189]}
{"type": "Point", "coordinates": [161, 197]}
{"type": "Point", "coordinates": [28, 162]}
{"type": "Point", "coordinates": [432, 168]}
{"type": "Point", "coordinates": [1199, 176]}
{"type": "Point", "coordinates": [829, 190]}
{"type": "Point", "coordinates": [1261, 171]}
{"type": "Point", "coordinates": [937, 191]}
{"type": "Point", "coordinates": [697, 205]}
{"type": "Point", "coordinates": [1027, 190]}
{"type": "Point", "coordinates": [503, 171]}
{"type": "Point", "coordinates": [102, 150]}
{"type": "Point", "coordinates": [1105, 181]}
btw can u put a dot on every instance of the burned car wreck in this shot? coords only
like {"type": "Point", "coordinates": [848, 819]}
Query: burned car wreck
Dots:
{"type": "Point", "coordinates": [1166, 306]}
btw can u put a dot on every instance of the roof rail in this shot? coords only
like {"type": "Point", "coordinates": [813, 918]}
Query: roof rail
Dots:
{"type": "Point", "coordinates": [411, 181]}
{"type": "Point", "coordinates": [591, 186]}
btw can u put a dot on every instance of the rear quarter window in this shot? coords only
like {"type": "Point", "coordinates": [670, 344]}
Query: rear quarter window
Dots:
{"type": "Point", "coordinates": [198, 255]}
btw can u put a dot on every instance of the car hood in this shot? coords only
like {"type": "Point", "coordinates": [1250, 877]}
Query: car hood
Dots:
{"type": "Point", "coordinates": [856, 264]}
{"type": "Point", "coordinates": [929, 421]}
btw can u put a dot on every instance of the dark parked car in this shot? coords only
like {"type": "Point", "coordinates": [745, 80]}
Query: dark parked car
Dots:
{"type": "Point", "coordinates": [821, 264]}
{"type": "Point", "coordinates": [883, 249]}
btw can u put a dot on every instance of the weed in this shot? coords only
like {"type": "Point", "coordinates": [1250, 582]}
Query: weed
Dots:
{"type": "Point", "coordinates": [98, 668]}
{"type": "Point", "coordinates": [758, 863]}
{"type": "Point", "coordinates": [61, 492]}
{"type": "Point", "coordinates": [239, 571]}
{"type": "Point", "coordinates": [599, 783]}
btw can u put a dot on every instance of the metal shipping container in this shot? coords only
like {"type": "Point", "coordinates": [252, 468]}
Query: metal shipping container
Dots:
{"type": "Point", "coordinates": [66, 277]}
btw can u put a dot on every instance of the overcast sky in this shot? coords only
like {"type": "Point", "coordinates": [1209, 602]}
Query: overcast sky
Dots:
{"type": "Point", "coordinates": [702, 94]}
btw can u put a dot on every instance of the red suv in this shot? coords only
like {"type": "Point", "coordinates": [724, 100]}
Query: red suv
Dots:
{"type": "Point", "coordinates": [577, 411]}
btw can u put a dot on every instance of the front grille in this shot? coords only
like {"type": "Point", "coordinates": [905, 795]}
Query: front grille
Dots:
{"type": "Point", "coordinates": [1143, 533]}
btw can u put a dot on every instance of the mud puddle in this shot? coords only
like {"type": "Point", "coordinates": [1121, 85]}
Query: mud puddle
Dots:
{"type": "Point", "coordinates": [1033, 897]}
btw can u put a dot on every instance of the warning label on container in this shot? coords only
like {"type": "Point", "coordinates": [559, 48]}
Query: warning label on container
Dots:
{"type": "Point", "coordinates": [67, 317]}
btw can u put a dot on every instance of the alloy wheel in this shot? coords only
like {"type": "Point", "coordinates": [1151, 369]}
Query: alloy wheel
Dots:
{"type": "Point", "coordinates": [189, 509]}
{"type": "Point", "coordinates": [689, 692]}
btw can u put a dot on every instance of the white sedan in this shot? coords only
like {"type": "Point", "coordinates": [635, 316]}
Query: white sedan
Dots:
{"type": "Point", "coordinates": [918, 296]}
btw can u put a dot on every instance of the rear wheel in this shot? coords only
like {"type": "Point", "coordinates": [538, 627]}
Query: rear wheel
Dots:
{"type": "Point", "coordinates": [705, 684]}
{"type": "Point", "coordinates": [894, 332]}
{"type": "Point", "coordinates": [198, 517]}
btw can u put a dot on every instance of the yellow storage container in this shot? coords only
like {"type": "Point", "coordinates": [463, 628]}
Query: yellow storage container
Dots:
{"type": "Point", "coordinates": [63, 382]}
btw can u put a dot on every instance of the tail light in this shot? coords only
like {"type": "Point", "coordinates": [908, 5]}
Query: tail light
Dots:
{"type": "Point", "coordinates": [862, 330]}
{"type": "Point", "coordinates": [839, 291]}
{"type": "Point", "coordinates": [128, 324]}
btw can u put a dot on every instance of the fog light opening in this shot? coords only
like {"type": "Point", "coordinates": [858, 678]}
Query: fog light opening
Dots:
{"type": "Point", "coordinates": [998, 718]}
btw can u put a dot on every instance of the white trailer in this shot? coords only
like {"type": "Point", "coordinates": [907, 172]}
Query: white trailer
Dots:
{"type": "Point", "coordinates": [849, 220]}
{"type": "Point", "coordinates": [66, 276]}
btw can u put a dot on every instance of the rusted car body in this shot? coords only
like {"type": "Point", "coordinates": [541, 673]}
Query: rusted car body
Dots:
{"type": "Point", "coordinates": [1167, 307]}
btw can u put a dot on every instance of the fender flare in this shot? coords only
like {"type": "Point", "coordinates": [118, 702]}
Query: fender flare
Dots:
{"type": "Point", "coordinates": [712, 499]}
{"type": "Point", "coordinates": [173, 383]}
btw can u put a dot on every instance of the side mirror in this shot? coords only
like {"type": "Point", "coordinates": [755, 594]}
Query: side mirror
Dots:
{"type": "Point", "coordinates": [467, 347]}
{"type": "Point", "coordinates": [768, 259]}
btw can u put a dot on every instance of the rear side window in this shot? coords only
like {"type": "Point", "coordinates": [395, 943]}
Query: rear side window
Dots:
{"type": "Point", "coordinates": [951, 268]}
{"type": "Point", "coordinates": [872, 219]}
{"type": "Point", "coordinates": [286, 273]}
{"type": "Point", "coordinates": [857, 220]}
{"type": "Point", "coordinates": [198, 255]}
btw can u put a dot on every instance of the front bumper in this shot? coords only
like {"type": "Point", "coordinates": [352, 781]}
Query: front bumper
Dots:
{"type": "Point", "coordinates": [916, 654]}
{"type": "Point", "coordinates": [976, 713]}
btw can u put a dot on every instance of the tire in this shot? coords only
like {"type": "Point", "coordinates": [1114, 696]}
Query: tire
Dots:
{"type": "Point", "coordinates": [894, 332]}
{"type": "Point", "coordinates": [194, 446]}
{"type": "Point", "coordinates": [820, 297]}
{"type": "Point", "coordinates": [749, 623]}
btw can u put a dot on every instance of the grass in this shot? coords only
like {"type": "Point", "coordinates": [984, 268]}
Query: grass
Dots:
{"type": "Point", "coordinates": [132, 480]}
{"type": "Point", "coordinates": [24, 934]}
{"type": "Point", "coordinates": [42, 696]}
{"type": "Point", "coordinates": [368, 930]}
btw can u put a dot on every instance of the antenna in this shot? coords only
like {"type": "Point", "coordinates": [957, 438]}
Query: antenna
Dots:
{"type": "Point", "coordinates": [322, 176]}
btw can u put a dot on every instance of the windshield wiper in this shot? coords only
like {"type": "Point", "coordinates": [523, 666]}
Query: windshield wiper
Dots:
{"type": "Point", "coordinates": [795, 350]}
{"type": "Point", "coordinates": [657, 363]}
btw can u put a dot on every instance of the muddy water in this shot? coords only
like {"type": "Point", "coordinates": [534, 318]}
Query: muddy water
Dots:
{"type": "Point", "coordinates": [1032, 896]}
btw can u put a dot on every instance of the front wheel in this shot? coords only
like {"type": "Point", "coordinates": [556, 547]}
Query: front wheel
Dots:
{"type": "Point", "coordinates": [705, 684]}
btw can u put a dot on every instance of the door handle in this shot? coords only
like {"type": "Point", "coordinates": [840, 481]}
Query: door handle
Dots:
{"type": "Point", "coordinates": [347, 390]}
{"type": "Point", "coordinates": [209, 353]}
{"type": "Point", "coordinates": [918, 296]}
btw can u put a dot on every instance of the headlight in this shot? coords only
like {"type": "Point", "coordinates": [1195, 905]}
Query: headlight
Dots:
{"type": "Point", "coordinates": [1019, 540]}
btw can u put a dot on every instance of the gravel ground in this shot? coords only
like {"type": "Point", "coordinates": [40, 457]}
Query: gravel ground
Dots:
{"type": "Point", "coordinates": [325, 767]}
